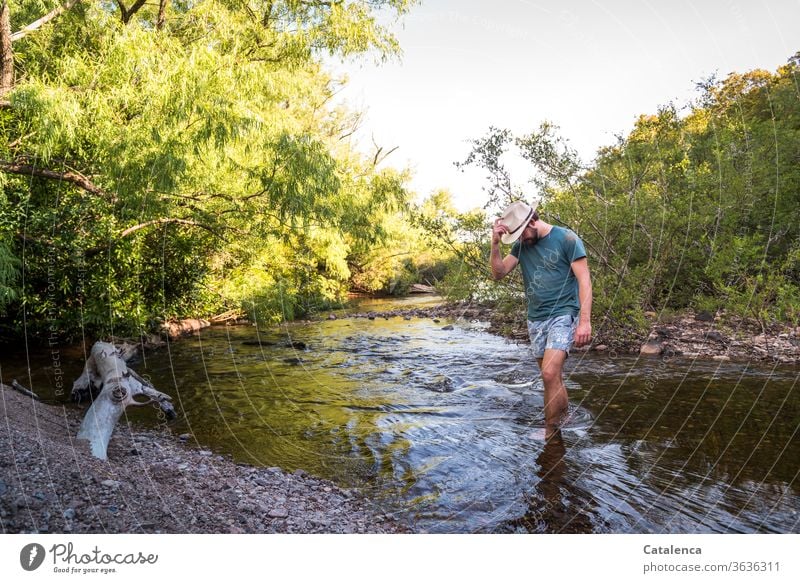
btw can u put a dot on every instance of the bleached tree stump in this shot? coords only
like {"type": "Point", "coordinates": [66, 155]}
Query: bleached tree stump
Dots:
{"type": "Point", "coordinates": [113, 386]}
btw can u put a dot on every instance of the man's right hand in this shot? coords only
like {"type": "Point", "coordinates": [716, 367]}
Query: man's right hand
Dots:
{"type": "Point", "coordinates": [497, 230]}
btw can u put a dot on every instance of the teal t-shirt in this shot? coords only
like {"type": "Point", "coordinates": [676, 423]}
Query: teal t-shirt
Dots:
{"type": "Point", "coordinates": [550, 285]}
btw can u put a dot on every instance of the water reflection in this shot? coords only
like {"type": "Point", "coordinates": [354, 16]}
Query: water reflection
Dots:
{"type": "Point", "coordinates": [440, 426]}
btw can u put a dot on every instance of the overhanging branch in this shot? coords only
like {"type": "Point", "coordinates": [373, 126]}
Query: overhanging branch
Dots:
{"type": "Point", "coordinates": [72, 177]}
{"type": "Point", "coordinates": [162, 221]}
{"type": "Point", "coordinates": [21, 33]}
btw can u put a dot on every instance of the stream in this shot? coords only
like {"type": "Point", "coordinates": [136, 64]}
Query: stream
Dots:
{"type": "Point", "coordinates": [441, 424]}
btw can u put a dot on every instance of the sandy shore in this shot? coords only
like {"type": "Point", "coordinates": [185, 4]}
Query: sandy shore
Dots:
{"type": "Point", "coordinates": [152, 482]}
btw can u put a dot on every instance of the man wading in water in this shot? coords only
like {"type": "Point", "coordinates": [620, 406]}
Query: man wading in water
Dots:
{"type": "Point", "coordinates": [559, 293]}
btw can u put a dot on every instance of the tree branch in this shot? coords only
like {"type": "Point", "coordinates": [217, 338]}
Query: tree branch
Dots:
{"type": "Point", "coordinates": [21, 33]}
{"type": "Point", "coordinates": [75, 178]}
{"type": "Point", "coordinates": [162, 221]}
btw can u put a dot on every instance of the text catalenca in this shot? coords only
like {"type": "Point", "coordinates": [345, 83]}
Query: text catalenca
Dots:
{"type": "Point", "coordinates": [671, 550]}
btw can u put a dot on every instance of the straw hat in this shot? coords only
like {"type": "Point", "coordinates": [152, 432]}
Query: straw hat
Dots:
{"type": "Point", "coordinates": [516, 216]}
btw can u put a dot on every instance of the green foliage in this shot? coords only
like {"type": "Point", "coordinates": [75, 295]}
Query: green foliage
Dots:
{"type": "Point", "coordinates": [186, 168]}
{"type": "Point", "coordinates": [698, 210]}
{"type": "Point", "coordinates": [9, 274]}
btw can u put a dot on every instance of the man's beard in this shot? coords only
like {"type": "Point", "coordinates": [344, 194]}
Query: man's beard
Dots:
{"type": "Point", "coordinates": [532, 240]}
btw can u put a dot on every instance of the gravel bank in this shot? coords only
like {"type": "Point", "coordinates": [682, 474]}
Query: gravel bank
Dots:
{"type": "Point", "coordinates": [152, 482]}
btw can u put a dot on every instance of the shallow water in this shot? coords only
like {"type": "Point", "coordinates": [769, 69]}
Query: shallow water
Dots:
{"type": "Point", "coordinates": [443, 427]}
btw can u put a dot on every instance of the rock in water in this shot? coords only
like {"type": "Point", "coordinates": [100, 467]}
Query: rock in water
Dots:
{"type": "Point", "coordinates": [654, 348]}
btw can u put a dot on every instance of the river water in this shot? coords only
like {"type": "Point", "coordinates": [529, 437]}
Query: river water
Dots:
{"type": "Point", "coordinates": [443, 426]}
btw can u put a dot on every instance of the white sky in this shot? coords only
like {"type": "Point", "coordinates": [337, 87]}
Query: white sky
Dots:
{"type": "Point", "coordinates": [591, 67]}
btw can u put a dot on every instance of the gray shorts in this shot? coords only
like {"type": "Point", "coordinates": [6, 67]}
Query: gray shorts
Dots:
{"type": "Point", "coordinates": [556, 333]}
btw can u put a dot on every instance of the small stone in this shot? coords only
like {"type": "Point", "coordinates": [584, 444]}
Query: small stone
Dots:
{"type": "Point", "coordinates": [278, 513]}
{"type": "Point", "coordinates": [205, 453]}
{"type": "Point", "coordinates": [299, 473]}
{"type": "Point", "coordinates": [69, 514]}
{"type": "Point", "coordinates": [654, 348]}
{"type": "Point", "coordinates": [406, 317]}
{"type": "Point", "coordinates": [184, 436]}
{"type": "Point", "coordinates": [110, 483]}
{"type": "Point", "coordinates": [436, 320]}
{"type": "Point", "coordinates": [704, 316]}
{"type": "Point", "coordinates": [721, 357]}
{"type": "Point", "coordinates": [331, 316]}
{"type": "Point", "coordinates": [601, 347]}
{"type": "Point", "coordinates": [448, 327]}
{"type": "Point", "coordinates": [3, 487]}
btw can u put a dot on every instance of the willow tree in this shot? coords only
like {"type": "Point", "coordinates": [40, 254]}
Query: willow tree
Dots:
{"type": "Point", "coordinates": [153, 154]}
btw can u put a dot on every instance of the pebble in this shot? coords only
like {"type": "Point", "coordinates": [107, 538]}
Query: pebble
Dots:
{"type": "Point", "coordinates": [205, 453]}
{"type": "Point", "coordinates": [69, 514]}
{"type": "Point", "coordinates": [3, 487]}
{"type": "Point", "coordinates": [448, 327]}
{"type": "Point", "coordinates": [110, 483]}
{"type": "Point", "coordinates": [184, 436]}
{"type": "Point", "coordinates": [279, 513]}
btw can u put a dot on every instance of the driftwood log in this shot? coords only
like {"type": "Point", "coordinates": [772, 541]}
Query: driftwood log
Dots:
{"type": "Point", "coordinates": [112, 387]}
{"type": "Point", "coordinates": [18, 387]}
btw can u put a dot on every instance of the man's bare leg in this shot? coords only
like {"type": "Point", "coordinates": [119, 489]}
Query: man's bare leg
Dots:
{"type": "Point", "coordinates": [555, 392]}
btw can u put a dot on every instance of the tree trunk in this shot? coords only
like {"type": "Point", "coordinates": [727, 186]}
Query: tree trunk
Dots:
{"type": "Point", "coordinates": [113, 387]}
{"type": "Point", "coordinates": [6, 52]}
{"type": "Point", "coordinates": [162, 14]}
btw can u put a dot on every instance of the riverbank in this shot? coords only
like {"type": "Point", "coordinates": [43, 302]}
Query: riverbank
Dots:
{"type": "Point", "coordinates": [154, 482]}
{"type": "Point", "coordinates": [688, 334]}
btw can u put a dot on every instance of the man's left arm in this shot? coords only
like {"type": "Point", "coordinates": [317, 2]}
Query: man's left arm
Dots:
{"type": "Point", "coordinates": [583, 334]}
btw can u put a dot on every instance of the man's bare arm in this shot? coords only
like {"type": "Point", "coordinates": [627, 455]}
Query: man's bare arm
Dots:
{"type": "Point", "coordinates": [583, 333]}
{"type": "Point", "coordinates": [500, 266]}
